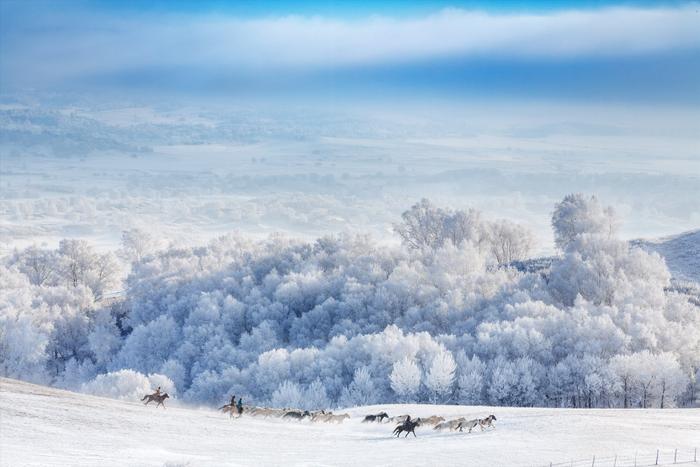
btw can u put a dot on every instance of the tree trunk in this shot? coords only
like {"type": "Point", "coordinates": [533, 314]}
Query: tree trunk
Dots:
{"type": "Point", "coordinates": [663, 393]}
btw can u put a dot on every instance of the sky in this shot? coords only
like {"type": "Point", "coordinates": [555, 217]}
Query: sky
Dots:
{"type": "Point", "coordinates": [347, 110]}
{"type": "Point", "coordinates": [631, 52]}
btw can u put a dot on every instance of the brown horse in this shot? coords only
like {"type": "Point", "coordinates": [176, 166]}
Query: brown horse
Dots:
{"type": "Point", "coordinates": [231, 409]}
{"type": "Point", "coordinates": [159, 399]}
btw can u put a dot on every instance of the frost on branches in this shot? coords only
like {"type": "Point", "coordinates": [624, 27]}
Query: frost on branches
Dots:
{"type": "Point", "coordinates": [342, 320]}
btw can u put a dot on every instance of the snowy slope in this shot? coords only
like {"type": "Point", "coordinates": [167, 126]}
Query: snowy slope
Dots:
{"type": "Point", "coordinates": [45, 426]}
{"type": "Point", "coordinates": [682, 253]}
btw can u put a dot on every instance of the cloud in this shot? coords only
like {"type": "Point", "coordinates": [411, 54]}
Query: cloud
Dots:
{"type": "Point", "coordinates": [60, 47]}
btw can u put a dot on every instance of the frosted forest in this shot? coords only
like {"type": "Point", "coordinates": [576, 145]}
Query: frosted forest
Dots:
{"type": "Point", "coordinates": [460, 312]}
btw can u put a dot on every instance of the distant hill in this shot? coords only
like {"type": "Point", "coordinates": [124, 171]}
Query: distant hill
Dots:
{"type": "Point", "coordinates": [682, 253]}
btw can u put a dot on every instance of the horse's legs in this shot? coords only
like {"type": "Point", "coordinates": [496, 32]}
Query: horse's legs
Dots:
{"type": "Point", "coordinates": [414, 433]}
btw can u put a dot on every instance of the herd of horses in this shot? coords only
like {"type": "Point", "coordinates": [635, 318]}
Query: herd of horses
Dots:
{"type": "Point", "coordinates": [408, 425]}
{"type": "Point", "coordinates": [320, 416]}
{"type": "Point", "coordinates": [404, 423]}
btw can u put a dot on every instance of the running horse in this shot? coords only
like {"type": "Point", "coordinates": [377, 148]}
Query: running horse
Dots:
{"type": "Point", "coordinates": [158, 398]}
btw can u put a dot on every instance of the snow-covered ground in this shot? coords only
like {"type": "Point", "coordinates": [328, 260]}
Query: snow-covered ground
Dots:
{"type": "Point", "coordinates": [45, 426]}
{"type": "Point", "coordinates": [681, 252]}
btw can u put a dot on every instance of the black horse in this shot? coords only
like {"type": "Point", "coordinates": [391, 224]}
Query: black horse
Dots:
{"type": "Point", "coordinates": [409, 426]}
{"type": "Point", "coordinates": [297, 414]}
{"type": "Point", "coordinates": [376, 418]}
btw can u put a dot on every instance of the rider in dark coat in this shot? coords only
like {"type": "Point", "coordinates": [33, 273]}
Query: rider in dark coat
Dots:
{"type": "Point", "coordinates": [233, 400]}
{"type": "Point", "coordinates": [240, 406]}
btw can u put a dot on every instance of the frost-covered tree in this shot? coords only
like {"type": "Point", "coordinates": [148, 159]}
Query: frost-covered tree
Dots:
{"type": "Point", "coordinates": [529, 374]}
{"type": "Point", "coordinates": [76, 260]}
{"type": "Point", "coordinates": [578, 214]}
{"type": "Point", "coordinates": [137, 243]}
{"type": "Point", "coordinates": [466, 226]}
{"type": "Point", "coordinates": [504, 379]}
{"type": "Point", "coordinates": [509, 242]}
{"type": "Point", "coordinates": [361, 390]}
{"type": "Point", "coordinates": [39, 265]}
{"type": "Point", "coordinates": [440, 377]}
{"type": "Point", "coordinates": [626, 369]}
{"type": "Point", "coordinates": [128, 385]}
{"type": "Point", "coordinates": [337, 318]}
{"type": "Point", "coordinates": [316, 396]}
{"type": "Point", "coordinates": [405, 379]}
{"type": "Point", "coordinates": [668, 379]}
{"type": "Point", "coordinates": [609, 272]}
{"type": "Point", "coordinates": [80, 264]}
{"type": "Point", "coordinates": [22, 347]}
{"type": "Point", "coordinates": [471, 381]}
{"type": "Point", "coordinates": [288, 395]}
{"type": "Point", "coordinates": [422, 226]}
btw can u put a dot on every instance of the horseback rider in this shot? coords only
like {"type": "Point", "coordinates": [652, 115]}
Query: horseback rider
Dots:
{"type": "Point", "coordinates": [239, 406]}
{"type": "Point", "coordinates": [157, 393]}
{"type": "Point", "coordinates": [233, 400]}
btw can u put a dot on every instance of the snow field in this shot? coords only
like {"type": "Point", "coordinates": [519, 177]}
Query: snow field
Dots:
{"type": "Point", "coordinates": [41, 426]}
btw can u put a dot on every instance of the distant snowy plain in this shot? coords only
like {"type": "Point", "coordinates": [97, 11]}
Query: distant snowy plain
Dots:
{"type": "Point", "coordinates": [190, 174]}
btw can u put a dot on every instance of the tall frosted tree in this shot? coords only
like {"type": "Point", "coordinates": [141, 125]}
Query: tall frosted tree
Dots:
{"type": "Point", "coordinates": [361, 391]}
{"type": "Point", "coordinates": [441, 376]}
{"type": "Point", "coordinates": [471, 381]}
{"type": "Point", "coordinates": [503, 383]}
{"type": "Point", "coordinates": [405, 379]}
{"type": "Point", "coordinates": [578, 214]}
{"type": "Point", "coordinates": [509, 241]}
{"type": "Point", "coordinates": [288, 394]}
{"type": "Point", "coordinates": [316, 397]}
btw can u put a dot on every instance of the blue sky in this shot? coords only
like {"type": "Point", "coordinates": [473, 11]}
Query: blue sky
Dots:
{"type": "Point", "coordinates": [345, 8]}
{"type": "Point", "coordinates": [592, 50]}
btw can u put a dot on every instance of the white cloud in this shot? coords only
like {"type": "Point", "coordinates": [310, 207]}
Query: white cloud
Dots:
{"type": "Point", "coordinates": [99, 44]}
